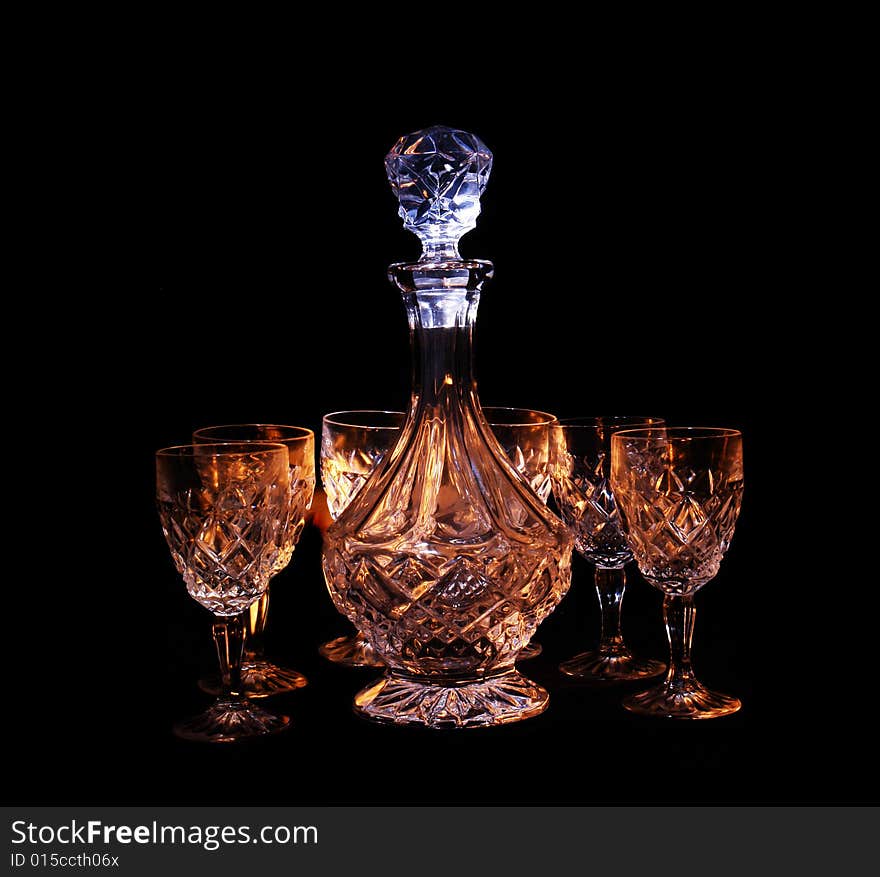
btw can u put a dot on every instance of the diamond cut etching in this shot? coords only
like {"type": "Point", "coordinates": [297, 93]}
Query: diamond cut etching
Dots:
{"type": "Point", "coordinates": [438, 175]}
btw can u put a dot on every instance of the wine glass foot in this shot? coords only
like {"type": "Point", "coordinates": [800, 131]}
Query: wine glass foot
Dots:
{"type": "Point", "coordinates": [260, 678]}
{"type": "Point", "coordinates": [231, 721]}
{"type": "Point", "coordinates": [602, 667]}
{"type": "Point", "coordinates": [532, 650]}
{"type": "Point", "coordinates": [477, 703]}
{"type": "Point", "coordinates": [351, 651]}
{"type": "Point", "coordinates": [693, 702]}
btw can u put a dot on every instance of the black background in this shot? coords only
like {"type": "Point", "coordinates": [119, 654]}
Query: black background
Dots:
{"type": "Point", "coordinates": [633, 262]}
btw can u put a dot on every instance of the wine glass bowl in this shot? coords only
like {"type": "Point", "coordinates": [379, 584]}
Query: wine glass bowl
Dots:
{"type": "Point", "coordinates": [525, 435]}
{"type": "Point", "coordinates": [582, 489]}
{"type": "Point", "coordinates": [680, 492]}
{"type": "Point", "coordinates": [260, 676]}
{"type": "Point", "coordinates": [353, 443]}
{"type": "Point", "coordinates": [224, 511]}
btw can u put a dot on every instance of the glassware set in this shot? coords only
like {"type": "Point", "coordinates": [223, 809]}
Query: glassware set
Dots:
{"type": "Point", "coordinates": [442, 549]}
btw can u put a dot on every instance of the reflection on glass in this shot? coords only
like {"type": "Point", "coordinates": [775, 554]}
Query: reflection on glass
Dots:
{"type": "Point", "coordinates": [224, 510]}
{"type": "Point", "coordinates": [261, 677]}
{"type": "Point", "coordinates": [353, 443]}
{"type": "Point", "coordinates": [582, 489]}
{"type": "Point", "coordinates": [679, 490]}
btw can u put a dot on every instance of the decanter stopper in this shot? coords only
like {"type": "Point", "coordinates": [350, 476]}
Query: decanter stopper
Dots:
{"type": "Point", "coordinates": [438, 175]}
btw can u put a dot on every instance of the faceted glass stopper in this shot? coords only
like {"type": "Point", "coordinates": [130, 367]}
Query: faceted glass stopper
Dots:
{"type": "Point", "coordinates": [438, 175]}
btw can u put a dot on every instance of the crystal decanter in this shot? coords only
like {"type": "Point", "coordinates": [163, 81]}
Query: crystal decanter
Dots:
{"type": "Point", "coordinates": [446, 560]}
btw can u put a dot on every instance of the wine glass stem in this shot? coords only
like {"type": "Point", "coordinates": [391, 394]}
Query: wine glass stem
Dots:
{"type": "Point", "coordinates": [229, 640]}
{"type": "Point", "coordinates": [679, 615]}
{"type": "Point", "coordinates": [610, 585]}
{"type": "Point", "coordinates": [255, 617]}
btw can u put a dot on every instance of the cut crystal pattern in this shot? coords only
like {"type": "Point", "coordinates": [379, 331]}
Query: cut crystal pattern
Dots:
{"type": "Point", "coordinates": [462, 585]}
{"type": "Point", "coordinates": [586, 503]}
{"type": "Point", "coordinates": [535, 469]}
{"type": "Point", "coordinates": [344, 473]}
{"type": "Point", "coordinates": [528, 445]}
{"type": "Point", "coordinates": [498, 699]}
{"type": "Point", "coordinates": [680, 521]}
{"type": "Point", "coordinates": [225, 541]}
{"type": "Point", "coordinates": [438, 175]}
{"type": "Point", "coordinates": [302, 492]}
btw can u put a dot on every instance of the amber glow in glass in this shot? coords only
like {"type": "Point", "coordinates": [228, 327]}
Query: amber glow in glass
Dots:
{"type": "Point", "coordinates": [260, 676]}
{"type": "Point", "coordinates": [679, 490]}
{"type": "Point", "coordinates": [353, 443]}
{"type": "Point", "coordinates": [582, 489]}
{"type": "Point", "coordinates": [224, 510]}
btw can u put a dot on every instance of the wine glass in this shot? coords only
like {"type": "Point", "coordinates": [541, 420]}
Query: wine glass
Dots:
{"type": "Point", "coordinates": [224, 510]}
{"type": "Point", "coordinates": [353, 443]}
{"type": "Point", "coordinates": [261, 677]}
{"type": "Point", "coordinates": [582, 489]}
{"type": "Point", "coordinates": [679, 491]}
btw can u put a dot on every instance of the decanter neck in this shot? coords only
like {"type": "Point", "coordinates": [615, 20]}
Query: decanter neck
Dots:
{"type": "Point", "coordinates": [442, 367]}
{"type": "Point", "coordinates": [440, 249]}
{"type": "Point", "coordinates": [441, 302]}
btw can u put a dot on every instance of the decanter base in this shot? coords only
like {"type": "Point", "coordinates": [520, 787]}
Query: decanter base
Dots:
{"type": "Point", "coordinates": [478, 703]}
{"type": "Point", "coordinates": [600, 668]}
{"type": "Point", "coordinates": [351, 651]}
{"type": "Point", "coordinates": [695, 702]}
{"type": "Point", "coordinates": [260, 678]}
{"type": "Point", "coordinates": [231, 721]}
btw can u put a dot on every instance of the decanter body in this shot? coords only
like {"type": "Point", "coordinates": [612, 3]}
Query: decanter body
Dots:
{"type": "Point", "coordinates": [446, 560]}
